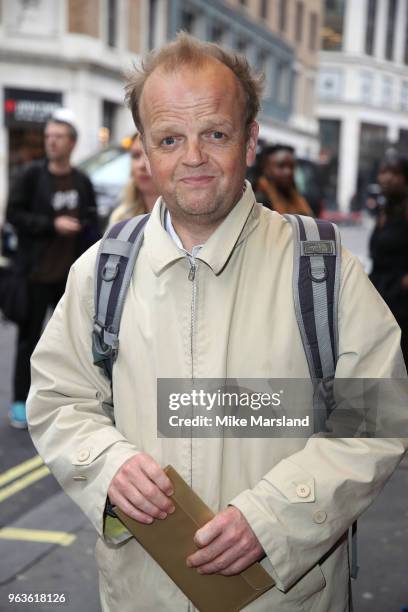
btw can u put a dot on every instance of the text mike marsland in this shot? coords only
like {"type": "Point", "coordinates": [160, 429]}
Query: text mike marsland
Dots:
{"type": "Point", "coordinates": [234, 421]}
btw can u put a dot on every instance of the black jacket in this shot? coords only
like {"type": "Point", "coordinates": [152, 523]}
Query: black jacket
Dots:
{"type": "Point", "coordinates": [389, 252]}
{"type": "Point", "coordinates": [30, 211]}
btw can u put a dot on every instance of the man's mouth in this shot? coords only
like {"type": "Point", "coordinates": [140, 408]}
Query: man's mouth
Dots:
{"type": "Point", "coordinates": [197, 181]}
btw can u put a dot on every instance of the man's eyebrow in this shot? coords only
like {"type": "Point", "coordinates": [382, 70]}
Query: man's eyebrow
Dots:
{"type": "Point", "coordinates": [211, 123]}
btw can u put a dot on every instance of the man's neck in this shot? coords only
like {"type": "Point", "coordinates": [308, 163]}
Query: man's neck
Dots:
{"type": "Point", "coordinates": [192, 235]}
{"type": "Point", "coordinates": [60, 167]}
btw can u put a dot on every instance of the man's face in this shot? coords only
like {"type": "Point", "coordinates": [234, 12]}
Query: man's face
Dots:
{"type": "Point", "coordinates": [195, 140]}
{"type": "Point", "coordinates": [58, 142]}
{"type": "Point", "coordinates": [280, 168]}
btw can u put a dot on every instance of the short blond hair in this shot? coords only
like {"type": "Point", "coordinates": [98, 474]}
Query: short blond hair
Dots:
{"type": "Point", "coordinates": [186, 50]}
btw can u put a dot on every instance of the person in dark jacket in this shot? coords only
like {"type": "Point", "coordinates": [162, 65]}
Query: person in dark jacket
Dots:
{"type": "Point", "coordinates": [52, 207]}
{"type": "Point", "coordinates": [389, 242]}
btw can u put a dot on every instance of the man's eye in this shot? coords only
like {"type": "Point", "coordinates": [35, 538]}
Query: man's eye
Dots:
{"type": "Point", "coordinates": [168, 141]}
{"type": "Point", "coordinates": [218, 135]}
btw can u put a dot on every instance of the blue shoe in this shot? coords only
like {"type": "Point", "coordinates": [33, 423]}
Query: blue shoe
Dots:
{"type": "Point", "coordinates": [17, 415]}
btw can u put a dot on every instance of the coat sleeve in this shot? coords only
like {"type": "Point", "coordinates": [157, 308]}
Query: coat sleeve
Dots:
{"type": "Point", "coordinates": [302, 506]}
{"type": "Point", "coordinates": [65, 412]}
{"type": "Point", "coordinates": [20, 206]}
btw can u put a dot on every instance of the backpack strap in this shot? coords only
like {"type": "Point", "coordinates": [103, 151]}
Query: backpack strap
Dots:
{"type": "Point", "coordinates": [316, 287]}
{"type": "Point", "coordinates": [115, 262]}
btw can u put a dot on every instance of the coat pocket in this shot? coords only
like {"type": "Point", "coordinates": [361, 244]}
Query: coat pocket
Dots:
{"type": "Point", "coordinates": [301, 597]}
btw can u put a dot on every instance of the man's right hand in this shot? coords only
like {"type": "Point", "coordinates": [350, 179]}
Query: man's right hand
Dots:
{"type": "Point", "coordinates": [140, 488]}
{"type": "Point", "coordinates": [66, 225]}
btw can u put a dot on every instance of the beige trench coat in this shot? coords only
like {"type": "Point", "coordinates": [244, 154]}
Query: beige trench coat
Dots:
{"type": "Point", "coordinates": [236, 319]}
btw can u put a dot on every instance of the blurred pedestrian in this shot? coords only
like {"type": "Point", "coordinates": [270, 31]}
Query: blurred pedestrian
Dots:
{"type": "Point", "coordinates": [276, 188]}
{"type": "Point", "coordinates": [140, 193]}
{"type": "Point", "coordinates": [389, 241]}
{"type": "Point", "coordinates": [52, 207]}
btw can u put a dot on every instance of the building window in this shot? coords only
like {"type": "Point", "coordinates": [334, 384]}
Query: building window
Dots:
{"type": "Point", "coordinates": [188, 20]}
{"type": "Point", "coordinates": [264, 9]}
{"type": "Point", "coordinates": [373, 143]}
{"type": "Point", "coordinates": [371, 17]}
{"type": "Point", "coordinates": [333, 25]}
{"type": "Point", "coordinates": [406, 40]}
{"type": "Point", "coordinates": [282, 84]}
{"type": "Point", "coordinates": [313, 32]}
{"type": "Point", "coordinates": [309, 104]}
{"type": "Point", "coordinates": [392, 9]}
{"type": "Point", "coordinates": [404, 95]}
{"type": "Point", "coordinates": [152, 22]}
{"type": "Point", "coordinates": [387, 91]}
{"type": "Point", "coordinates": [108, 119]}
{"type": "Point", "coordinates": [282, 15]}
{"type": "Point", "coordinates": [329, 159]}
{"type": "Point", "coordinates": [217, 32]}
{"type": "Point", "coordinates": [299, 22]}
{"type": "Point", "coordinates": [242, 2]}
{"type": "Point", "coordinates": [241, 45]}
{"type": "Point", "coordinates": [330, 83]}
{"type": "Point", "coordinates": [112, 22]}
{"type": "Point", "coordinates": [264, 66]}
{"type": "Point", "coordinates": [366, 86]}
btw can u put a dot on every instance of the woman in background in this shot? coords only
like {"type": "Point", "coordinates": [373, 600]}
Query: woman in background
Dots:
{"type": "Point", "coordinates": [140, 193]}
{"type": "Point", "coordinates": [389, 242]}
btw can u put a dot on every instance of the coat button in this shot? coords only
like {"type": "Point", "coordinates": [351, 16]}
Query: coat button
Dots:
{"type": "Point", "coordinates": [320, 516]}
{"type": "Point", "coordinates": [83, 454]}
{"type": "Point", "coordinates": [303, 490]}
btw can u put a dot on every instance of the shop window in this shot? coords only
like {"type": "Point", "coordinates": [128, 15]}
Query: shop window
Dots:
{"type": "Point", "coordinates": [333, 25]}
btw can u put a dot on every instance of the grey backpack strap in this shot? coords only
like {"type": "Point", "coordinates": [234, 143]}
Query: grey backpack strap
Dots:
{"type": "Point", "coordinates": [113, 270]}
{"type": "Point", "coordinates": [316, 286]}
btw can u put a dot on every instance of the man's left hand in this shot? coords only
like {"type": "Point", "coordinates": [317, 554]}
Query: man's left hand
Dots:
{"type": "Point", "coordinates": [227, 545]}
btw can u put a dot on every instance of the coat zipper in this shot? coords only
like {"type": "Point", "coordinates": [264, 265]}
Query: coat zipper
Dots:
{"type": "Point", "coordinates": [192, 278]}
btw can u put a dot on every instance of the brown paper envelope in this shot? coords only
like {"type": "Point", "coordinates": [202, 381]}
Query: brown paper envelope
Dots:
{"type": "Point", "coordinates": [170, 542]}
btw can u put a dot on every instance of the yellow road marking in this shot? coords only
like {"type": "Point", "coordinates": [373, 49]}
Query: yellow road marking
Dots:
{"type": "Point", "coordinates": [20, 469]}
{"type": "Point", "coordinates": [37, 535]}
{"type": "Point", "coordinates": [24, 482]}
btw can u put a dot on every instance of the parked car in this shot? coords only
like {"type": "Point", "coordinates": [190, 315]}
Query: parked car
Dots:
{"type": "Point", "coordinates": [109, 170]}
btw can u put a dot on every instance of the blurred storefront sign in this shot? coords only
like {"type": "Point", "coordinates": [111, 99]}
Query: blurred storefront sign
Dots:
{"type": "Point", "coordinates": [27, 107]}
{"type": "Point", "coordinates": [25, 114]}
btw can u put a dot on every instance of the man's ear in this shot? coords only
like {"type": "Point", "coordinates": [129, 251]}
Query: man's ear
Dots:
{"type": "Point", "coordinates": [252, 139]}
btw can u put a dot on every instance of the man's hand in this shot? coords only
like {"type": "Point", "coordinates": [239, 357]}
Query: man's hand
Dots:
{"type": "Point", "coordinates": [66, 225]}
{"type": "Point", "coordinates": [227, 545]}
{"type": "Point", "coordinates": [140, 488]}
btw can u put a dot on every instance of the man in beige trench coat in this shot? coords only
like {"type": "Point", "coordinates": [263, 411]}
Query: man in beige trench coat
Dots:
{"type": "Point", "coordinates": [211, 297]}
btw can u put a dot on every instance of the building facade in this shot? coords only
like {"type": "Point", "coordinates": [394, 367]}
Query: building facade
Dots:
{"type": "Point", "coordinates": [74, 53]}
{"type": "Point", "coordinates": [63, 53]}
{"type": "Point", "coordinates": [363, 92]}
{"type": "Point", "coordinates": [279, 38]}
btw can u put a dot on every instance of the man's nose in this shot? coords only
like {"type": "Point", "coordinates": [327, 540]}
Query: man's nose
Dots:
{"type": "Point", "coordinates": [195, 154]}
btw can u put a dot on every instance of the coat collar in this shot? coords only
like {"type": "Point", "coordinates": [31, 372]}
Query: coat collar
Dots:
{"type": "Point", "coordinates": [162, 250]}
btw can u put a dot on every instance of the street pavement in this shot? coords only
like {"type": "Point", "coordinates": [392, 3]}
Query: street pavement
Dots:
{"type": "Point", "coordinates": [47, 544]}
